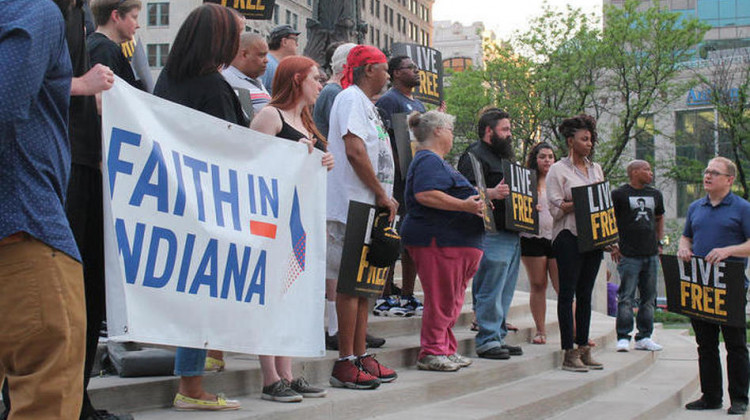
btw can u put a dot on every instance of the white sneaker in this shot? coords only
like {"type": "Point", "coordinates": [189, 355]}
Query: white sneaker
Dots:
{"type": "Point", "coordinates": [623, 345]}
{"type": "Point", "coordinates": [647, 344]}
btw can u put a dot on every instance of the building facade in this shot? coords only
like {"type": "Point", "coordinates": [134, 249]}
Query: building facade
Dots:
{"type": "Point", "coordinates": [392, 21]}
{"type": "Point", "coordinates": [689, 128]}
{"type": "Point", "coordinates": [461, 46]}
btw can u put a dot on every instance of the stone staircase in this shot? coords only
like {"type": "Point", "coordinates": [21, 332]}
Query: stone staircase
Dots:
{"type": "Point", "coordinates": [633, 385]}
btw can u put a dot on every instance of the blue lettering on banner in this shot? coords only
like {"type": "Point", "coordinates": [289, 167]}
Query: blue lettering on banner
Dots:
{"type": "Point", "coordinates": [187, 256]}
{"type": "Point", "coordinates": [268, 197]}
{"type": "Point", "coordinates": [131, 255]}
{"type": "Point", "coordinates": [210, 262]}
{"type": "Point", "coordinates": [232, 197]}
{"type": "Point", "coordinates": [197, 166]}
{"type": "Point", "coordinates": [179, 201]}
{"type": "Point", "coordinates": [114, 164]}
{"type": "Point", "coordinates": [163, 246]}
{"type": "Point", "coordinates": [160, 190]}
{"type": "Point", "coordinates": [157, 235]}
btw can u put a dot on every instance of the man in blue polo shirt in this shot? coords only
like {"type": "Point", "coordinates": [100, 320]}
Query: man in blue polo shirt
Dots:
{"type": "Point", "coordinates": [717, 228]}
{"type": "Point", "coordinates": [43, 316]}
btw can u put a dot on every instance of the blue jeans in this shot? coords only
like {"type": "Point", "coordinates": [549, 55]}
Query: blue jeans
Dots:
{"type": "Point", "coordinates": [493, 287]}
{"type": "Point", "coordinates": [189, 362]}
{"type": "Point", "coordinates": [637, 272]}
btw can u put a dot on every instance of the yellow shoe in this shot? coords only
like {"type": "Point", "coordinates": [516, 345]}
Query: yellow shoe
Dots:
{"type": "Point", "coordinates": [214, 365]}
{"type": "Point", "coordinates": [184, 403]}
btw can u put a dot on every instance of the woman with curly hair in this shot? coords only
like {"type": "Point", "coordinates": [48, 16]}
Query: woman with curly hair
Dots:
{"type": "Point", "coordinates": [578, 270]}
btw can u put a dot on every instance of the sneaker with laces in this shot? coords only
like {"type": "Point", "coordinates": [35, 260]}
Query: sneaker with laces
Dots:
{"type": "Point", "coordinates": [439, 363]}
{"type": "Point", "coordinates": [623, 345]}
{"type": "Point", "coordinates": [647, 344]}
{"type": "Point", "coordinates": [280, 391]}
{"type": "Point", "coordinates": [347, 374]}
{"type": "Point", "coordinates": [460, 360]}
{"type": "Point", "coordinates": [411, 305]}
{"type": "Point", "coordinates": [389, 306]}
{"type": "Point", "coordinates": [369, 364]}
{"type": "Point", "coordinates": [184, 403]}
{"type": "Point", "coordinates": [302, 387]}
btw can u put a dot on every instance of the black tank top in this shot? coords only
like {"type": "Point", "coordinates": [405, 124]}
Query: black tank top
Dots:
{"type": "Point", "coordinates": [290, 133]}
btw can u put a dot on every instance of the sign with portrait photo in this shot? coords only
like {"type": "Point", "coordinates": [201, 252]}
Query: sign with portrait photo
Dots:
{"type": "Point", "coordinates": [595, 216]}
{"type": "Point", "coordinates": [708, 292]}
{"type": "Point", "coordinates": [430, 64]}
{"type": "Point", "coordinates": [520, 206]}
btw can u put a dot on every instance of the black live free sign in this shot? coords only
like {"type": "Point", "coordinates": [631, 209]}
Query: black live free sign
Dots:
{"type": "Point", "coordinates": [251, 9]}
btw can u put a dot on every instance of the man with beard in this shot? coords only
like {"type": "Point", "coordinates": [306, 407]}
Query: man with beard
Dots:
{"type": "Point", "coordinates": [43, 318]}
{"type": "Point", "coordinates": [495, 280]}
{"type": "Point", "coordinates": [399, 99]}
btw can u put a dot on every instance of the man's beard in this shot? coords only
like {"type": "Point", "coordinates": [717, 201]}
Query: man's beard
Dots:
{"type": "Point", "coordinates": [503, 147]}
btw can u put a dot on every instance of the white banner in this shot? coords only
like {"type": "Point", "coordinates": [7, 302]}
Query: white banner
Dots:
{"type": "Point", "coordinates": [214, 234]}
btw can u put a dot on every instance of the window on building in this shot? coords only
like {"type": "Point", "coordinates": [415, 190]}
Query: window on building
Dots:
{"type": "Point", "coordinates": [398, 22]}
{"type": "Point", "coordinates": [309, 3]}
{"type": "Point", "coordinates": [276, 14]}
{"type": "Point", "coordinates": [157, 55]}
{"type": "Point", "coordinates": [372, 7]}
{"type": "Point", "coordinates": [377, 9]}
{"type": "Point", "coordinates": [295, 21]}
{"type": "Point", "coordinates": [158, 14]}
{"type": "Point", "coordinates": [390, 17]}
{"type": "Point", "coordinates": [644, 139]}
{"type": "Point", "coordinates": [377, 38]}
{"type": "Point", "coordinates": [288, 20]}
{"type": "Point", "coordinates": [372, 36]}
{"type": "Point", "coordinates": [696, 143]}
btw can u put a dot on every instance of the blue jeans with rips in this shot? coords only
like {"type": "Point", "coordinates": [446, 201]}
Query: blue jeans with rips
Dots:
{"type": "Point", "coordinates": [493, 287]}
{"type": "Point", "coordinates": [640, 273]}
{"type": "Point", "coordinates": [189, 362]}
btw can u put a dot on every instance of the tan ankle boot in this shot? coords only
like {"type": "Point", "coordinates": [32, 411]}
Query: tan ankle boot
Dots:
{"type": "Point", "coordinates": [585, 354]}
{"type": "Point", "coordinates": [572, 361]}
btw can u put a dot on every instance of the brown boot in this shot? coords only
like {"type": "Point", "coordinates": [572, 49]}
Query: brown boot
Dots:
{"type": "Point", "coordinates": [572, 361]}
{"type": "Point", "coordinates": [585, 353]}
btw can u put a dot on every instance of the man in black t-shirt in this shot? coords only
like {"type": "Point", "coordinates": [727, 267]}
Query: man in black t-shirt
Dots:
{"type": "Point", "coordinates": [116, 22]}
{"type": "Point", "coordinates": [639, 210]}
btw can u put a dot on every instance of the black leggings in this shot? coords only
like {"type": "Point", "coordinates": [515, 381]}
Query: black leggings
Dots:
{"type": "Point", "coordinates": [577, 272]}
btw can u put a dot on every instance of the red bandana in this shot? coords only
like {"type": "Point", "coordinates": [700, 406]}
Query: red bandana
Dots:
{"type": "Point", "coordinates": [359, 56]}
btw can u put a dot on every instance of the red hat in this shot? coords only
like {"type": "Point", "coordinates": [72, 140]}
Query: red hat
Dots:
{"type": "Point", "coordinates": [359, 56]}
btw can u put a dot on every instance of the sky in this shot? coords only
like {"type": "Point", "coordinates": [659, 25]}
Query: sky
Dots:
{"type": "Point", "coordinates": [501, 16]}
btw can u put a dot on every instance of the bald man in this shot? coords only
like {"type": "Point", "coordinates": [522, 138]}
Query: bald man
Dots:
{"type": "Point", "coordinates": [639, 209]}
{"type": "Point", "coordinates": [247, 67]}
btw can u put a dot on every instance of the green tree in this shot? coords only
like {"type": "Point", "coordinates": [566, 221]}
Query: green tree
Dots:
{"type": "Point", "coordinates": [728, 81]}
{"type": "Point", "coordinates": [642, 50]}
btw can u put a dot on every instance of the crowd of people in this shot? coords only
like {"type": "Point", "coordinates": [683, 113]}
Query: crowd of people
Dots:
{"type": "Point", "coordinates": [51, 234]}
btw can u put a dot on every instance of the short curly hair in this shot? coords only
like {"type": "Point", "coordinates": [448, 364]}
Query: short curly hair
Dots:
{"type": "Point", "coordinates": [569, 126]}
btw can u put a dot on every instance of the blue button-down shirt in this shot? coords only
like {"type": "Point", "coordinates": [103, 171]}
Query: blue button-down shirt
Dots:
{"type": "Point", "coordinates": [725, 224]}
{"type": "Point", "coordinates": [34, 150]}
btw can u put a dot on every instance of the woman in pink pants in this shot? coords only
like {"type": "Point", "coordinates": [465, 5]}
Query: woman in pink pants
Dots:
{"type": "Point", "coordinates": [443, 233]}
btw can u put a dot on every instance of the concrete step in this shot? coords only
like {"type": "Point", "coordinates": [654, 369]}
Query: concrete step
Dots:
{"type": "Point", "coordinates": [541, 395]}
{"type": "Point", "coordinates": [413, 387]}
{"type": "Point", "coordinates": [243, 377]}
{"type": "Point", "coordinates": [680, 413]}
{"type": "Point", "coordinates": [654, 394]}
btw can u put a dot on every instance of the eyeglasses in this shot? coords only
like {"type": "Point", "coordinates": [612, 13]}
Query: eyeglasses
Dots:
{"type": "Point", "coordinates": [713, 173]}
{"type": "Point", "coordinates": [411, 67]}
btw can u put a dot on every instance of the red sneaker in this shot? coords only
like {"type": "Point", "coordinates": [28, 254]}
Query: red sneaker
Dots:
{"type": "Point", "coordinates": [347, 374]}
{"type": "Point", "coordinates": [370, 365]}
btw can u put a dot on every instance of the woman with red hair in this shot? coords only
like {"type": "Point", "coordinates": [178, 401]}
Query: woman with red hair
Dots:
{"type": "Point", "coordinates": [296, 86]}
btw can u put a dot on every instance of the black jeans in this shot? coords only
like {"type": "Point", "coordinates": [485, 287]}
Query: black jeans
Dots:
{"type": "Point", "coordinates": [738, 367]}
{"type": "Point", "coordinates": [577, 272]}
{"type": "Point", "coordinates": [85, 214]}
